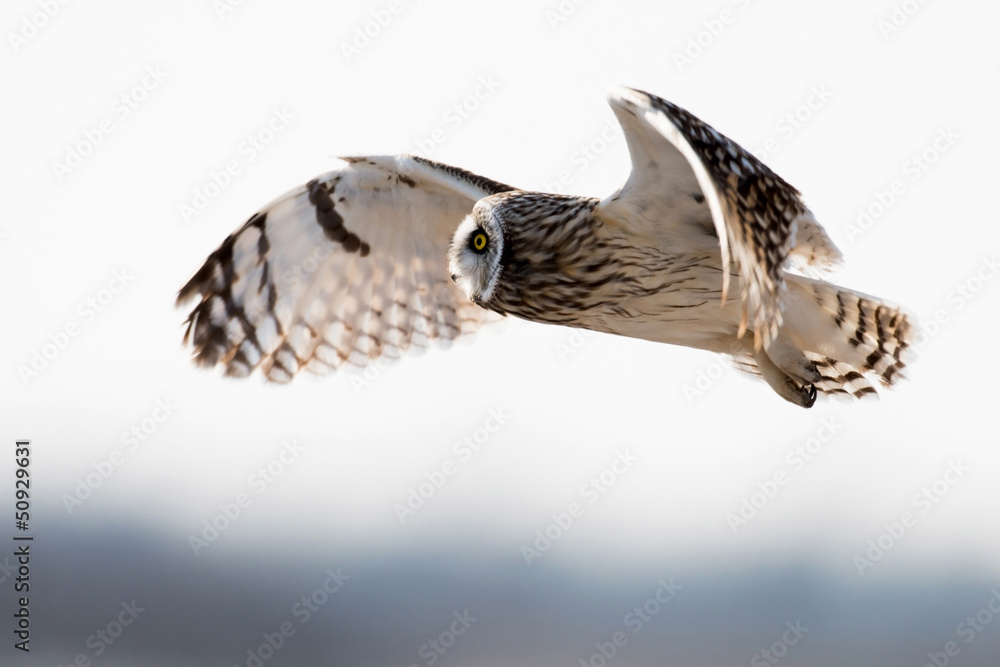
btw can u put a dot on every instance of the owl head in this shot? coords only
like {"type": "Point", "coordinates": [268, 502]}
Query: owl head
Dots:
{"type": "Point", "coordinates": [474, 258]}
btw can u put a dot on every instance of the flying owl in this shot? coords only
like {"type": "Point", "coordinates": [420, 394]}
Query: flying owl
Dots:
{"type": "Point", "coordinates": [703, 246]}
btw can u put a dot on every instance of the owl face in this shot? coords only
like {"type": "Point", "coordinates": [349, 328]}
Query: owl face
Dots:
{"type": "Point", "coordinates": [475, 254]}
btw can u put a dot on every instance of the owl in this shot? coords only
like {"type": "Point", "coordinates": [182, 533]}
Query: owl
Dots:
{"type": "Point", "coordinates": [703, 246]}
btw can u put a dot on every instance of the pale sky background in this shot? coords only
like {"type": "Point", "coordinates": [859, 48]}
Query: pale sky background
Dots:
{"type": "Point", "coordinates": [885, 107]}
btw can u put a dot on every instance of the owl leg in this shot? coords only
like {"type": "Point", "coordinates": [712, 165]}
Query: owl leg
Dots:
{"type": "Point", "coordinates": [790, 359]}
{"type": "Point", "coordinates": [791, 389]}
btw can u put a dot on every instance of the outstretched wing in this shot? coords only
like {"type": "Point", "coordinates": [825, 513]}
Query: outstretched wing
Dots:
{"type": "Point", "coordinates": [689, 179]}
{"type": "Point", "coordinates": [349, 267]}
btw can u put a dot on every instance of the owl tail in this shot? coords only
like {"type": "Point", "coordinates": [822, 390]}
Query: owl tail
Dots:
{"type": "Point", "coordinates": [832, 340]}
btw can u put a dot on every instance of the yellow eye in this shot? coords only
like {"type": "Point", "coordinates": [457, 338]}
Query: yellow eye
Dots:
{"type": "Point", "coordinates": [479, 242]}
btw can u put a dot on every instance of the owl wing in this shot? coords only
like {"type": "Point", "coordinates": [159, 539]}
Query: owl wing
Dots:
{"type": "Point", "coordinates": [689, 181]}
{"type": "Point", "coordinates": [349, 267]}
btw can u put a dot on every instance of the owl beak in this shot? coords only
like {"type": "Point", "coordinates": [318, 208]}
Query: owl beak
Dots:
{"type": "Point", "coordinates": [454, 278]}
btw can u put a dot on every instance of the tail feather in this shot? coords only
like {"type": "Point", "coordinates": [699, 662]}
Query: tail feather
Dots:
{"type": "Point", "coordinates": [857, 342]}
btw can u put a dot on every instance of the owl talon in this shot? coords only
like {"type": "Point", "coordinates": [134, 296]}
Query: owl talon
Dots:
{"type": "Point", "coordinates": [790, 389]}
{"type": "Point", "coordinates": [810, 397]}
